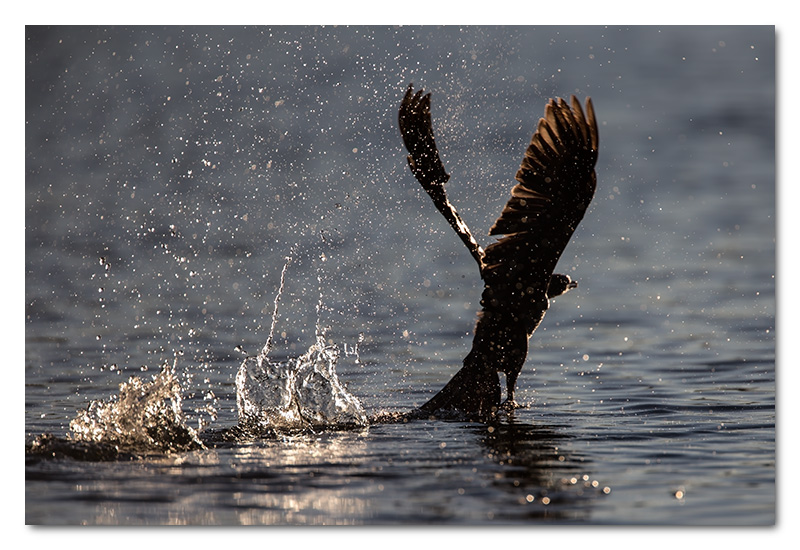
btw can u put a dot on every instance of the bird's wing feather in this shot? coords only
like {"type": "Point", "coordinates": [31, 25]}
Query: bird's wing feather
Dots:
{"type": "Point", "coordinates": [426, 165]}
{"type": "Point", "coordinates": [556, 176]}
{"type": "Point", "coordinates": [556, 182]}
{"type": "Point", "coordinates": [417, 131]}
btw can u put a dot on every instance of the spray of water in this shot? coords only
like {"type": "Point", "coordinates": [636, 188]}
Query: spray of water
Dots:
{"type": "Point", "coordinates": [268, 346]}
{"type": "Point", "coordinates": [145, 416]}
{"type": "Point", "coordinates": [300, 393]}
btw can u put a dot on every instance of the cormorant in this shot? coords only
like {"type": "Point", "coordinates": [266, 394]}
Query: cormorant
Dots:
{"type": "Point", "coordinates": [556, 183]}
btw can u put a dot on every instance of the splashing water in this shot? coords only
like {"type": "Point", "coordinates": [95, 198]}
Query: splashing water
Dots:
{"type": "Point", "coordinates": [303, 392]}
{"type": "Point", "coordinates": [146, 416]}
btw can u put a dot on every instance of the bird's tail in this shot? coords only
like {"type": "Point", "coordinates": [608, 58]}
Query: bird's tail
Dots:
{"type": "Point", "coordinates": [475, 389]}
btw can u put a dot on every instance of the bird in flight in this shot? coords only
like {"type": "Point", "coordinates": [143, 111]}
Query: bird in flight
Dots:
{"type": "Point", "coordinates": [555, 184]}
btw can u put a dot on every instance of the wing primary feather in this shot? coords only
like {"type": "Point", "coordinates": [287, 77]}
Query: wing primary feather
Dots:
{"type": "Point", "coordinates": [592, 124]}
{"type": "Point", "coordinates": [417, 130]}
{"type": "Point", "coordinates": [582, 124]}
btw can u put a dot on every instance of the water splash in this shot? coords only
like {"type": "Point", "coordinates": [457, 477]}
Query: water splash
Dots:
{"type": "Point", "coordinates": [145, 416]}
{"type": "Point", "coordinates": [303, 392]}
{"type": "Point", "coordinates": [268, 346]}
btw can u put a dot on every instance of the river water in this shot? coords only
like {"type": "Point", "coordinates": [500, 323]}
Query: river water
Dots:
{"type": "Point", "coordinates": [170, 171]}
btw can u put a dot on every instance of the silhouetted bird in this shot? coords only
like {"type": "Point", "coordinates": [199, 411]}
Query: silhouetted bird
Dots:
{"type": "Point", "coordinates": [556, 183]}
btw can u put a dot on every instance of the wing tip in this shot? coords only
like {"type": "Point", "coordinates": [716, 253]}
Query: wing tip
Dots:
{"type": "Point", "coordinates": [591, 120]}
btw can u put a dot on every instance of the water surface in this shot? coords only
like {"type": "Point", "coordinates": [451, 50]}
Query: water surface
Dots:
{"type": "Point", "coordinates": [170, 171]}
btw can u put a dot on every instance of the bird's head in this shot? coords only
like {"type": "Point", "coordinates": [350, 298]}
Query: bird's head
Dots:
{"type": "Point", "coordinates": [559, 284]}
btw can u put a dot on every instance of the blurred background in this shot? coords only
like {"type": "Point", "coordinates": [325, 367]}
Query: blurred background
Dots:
{"type": "Point", "coordinates": [169, 172]}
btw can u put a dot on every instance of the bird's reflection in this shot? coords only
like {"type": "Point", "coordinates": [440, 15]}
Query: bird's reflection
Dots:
{"type": "Point", "coordinates": [536, 464]}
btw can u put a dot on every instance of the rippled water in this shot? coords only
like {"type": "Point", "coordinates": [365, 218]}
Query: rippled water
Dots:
{"type": "Point", "coordinates": [170, 171]}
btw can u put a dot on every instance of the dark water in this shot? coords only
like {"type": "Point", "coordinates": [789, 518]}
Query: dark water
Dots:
{"type": "Point", "coordinates": [169, 172]}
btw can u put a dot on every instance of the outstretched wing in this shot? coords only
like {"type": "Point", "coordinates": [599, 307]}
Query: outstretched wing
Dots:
{"type": "Point", "coordinates": [556, 183]}
{"type": "Point", "coordinates": [417, 131]}
{"type": "Point", "coordinates": [427, 167]}
{"type": "Point", "coordinates": [556, 178]}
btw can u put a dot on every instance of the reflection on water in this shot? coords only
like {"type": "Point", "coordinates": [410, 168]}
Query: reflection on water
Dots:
{"type": "Point", "coordinates": [540, 468]}
{"type": "Point", "coordinates": [415, 472]}
{"type": "Point", "coordinates": [321, 465]}
{"type": "Point", "coordinates": [162, 194]}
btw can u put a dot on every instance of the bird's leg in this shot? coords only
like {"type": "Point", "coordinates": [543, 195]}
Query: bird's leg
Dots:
{"type": "Point", "coordinates": [511, 384]}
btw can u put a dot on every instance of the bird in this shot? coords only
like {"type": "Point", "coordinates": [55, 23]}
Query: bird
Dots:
{"type": "Point", "coordinates": [556, 182]}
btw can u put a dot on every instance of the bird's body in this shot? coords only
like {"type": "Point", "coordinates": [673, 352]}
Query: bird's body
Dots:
{"type": "Point", "coordinates": [556, 182]}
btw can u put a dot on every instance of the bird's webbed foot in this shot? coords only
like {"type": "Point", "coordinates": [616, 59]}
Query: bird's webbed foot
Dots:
{"type": "Point", "coordinates": [510, 405]}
